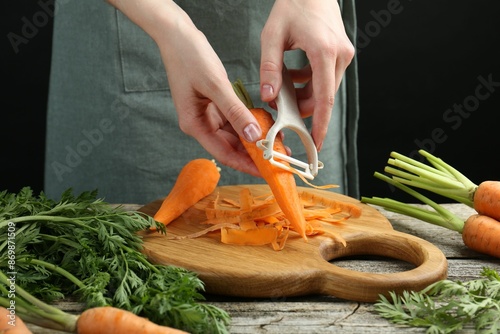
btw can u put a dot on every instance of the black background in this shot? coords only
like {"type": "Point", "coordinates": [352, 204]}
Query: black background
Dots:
{"type": "Point", "coordinates": [417, 59]}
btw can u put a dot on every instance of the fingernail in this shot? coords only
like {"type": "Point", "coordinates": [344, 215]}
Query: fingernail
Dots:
{"type": "Point", "coordinates": [266, 92]}
{"type": "Point", "coordinates": [319, 147]}
{"type": "Point", "coordinates": [252, 132]}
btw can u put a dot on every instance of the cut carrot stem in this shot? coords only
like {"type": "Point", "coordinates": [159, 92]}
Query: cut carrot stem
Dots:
{"type": "Point", "coordinates": [197, 179]}
{"type": "Point", "coordinates": [442, 179]}
{"type": "Point", "coordinates": [99, 320]}
{"type": "Point", "coordinates": [480, 232]}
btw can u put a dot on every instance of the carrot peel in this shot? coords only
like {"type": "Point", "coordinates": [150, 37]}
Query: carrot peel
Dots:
{"type": "Point", "coordinates": [258, 220]}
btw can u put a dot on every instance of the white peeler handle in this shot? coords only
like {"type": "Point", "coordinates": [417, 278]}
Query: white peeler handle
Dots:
{"type": "Point", "coordinates": [289, 117]}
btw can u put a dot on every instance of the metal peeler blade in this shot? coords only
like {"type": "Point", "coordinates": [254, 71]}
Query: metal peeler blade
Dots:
{"type": "Point", "coordinates": [289, 117]}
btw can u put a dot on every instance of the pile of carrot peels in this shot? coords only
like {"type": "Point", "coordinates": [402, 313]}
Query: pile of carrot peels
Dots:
{"type": "Point", "coordinates": [258, 220]}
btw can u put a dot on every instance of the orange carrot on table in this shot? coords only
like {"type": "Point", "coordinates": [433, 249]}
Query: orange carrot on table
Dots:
{"type": "Point", "coordinates": [482, 234]}
{"type": "Point", "coordinates": [111, 320]}
{"type": "Point", "coordinates": [11, 323]}
{"type": "Point", "coordinates": [441, 178]}
{"type": "Point", "coordinates": [281, 182]}
{"type": "Point", "coordinates": [486, 199]}
{"type": "Point", "coordinates": [479, 232]}
{"type": "Point", "coordinates": [197, 179]}
{"type": "Point", "coordinates": [98, 320]}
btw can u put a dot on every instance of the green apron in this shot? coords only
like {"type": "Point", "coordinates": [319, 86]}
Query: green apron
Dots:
{"type": "Point", "coordinates": [111, 123]}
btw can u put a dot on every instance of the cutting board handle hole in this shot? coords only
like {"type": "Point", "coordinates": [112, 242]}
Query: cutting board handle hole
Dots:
{"type": "Point", "coordinates": [376, 253]}
{"type": "Point", "coordinates": [372, 264]}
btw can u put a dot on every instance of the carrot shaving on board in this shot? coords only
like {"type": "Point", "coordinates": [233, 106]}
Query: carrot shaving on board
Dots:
{"type": "Point", "coordinates": [258, 220]}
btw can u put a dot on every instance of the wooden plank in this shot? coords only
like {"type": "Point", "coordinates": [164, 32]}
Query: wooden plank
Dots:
{"type": "Point", "coordinates": [324, 314]}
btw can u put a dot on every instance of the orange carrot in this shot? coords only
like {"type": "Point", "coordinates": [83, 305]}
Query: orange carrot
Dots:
{"type": "Point", "coordinates": [482, 234]}
{"type": "Point", "coordinates": [111, 320]}
{"type": "Point", "coordinates": [197, 179]}
{"type": "Point", "coordinates": [479, 232]}
{"type": "Point", "coordinates": [10, 323]}
{"type": "Point", "coordinates": [281, 182]}
{"type": "Point", "coordinates": [441, 178]}
{"type": "Point", "coordinates": [486, 199]}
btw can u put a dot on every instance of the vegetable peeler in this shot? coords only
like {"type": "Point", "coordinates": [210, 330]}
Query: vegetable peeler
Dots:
{"type": "Point", "coordinates": [289, 117]}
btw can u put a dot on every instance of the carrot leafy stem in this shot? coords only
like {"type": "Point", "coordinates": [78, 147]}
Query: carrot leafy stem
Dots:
{"type": "Point", "coordinates": [447, 306]}
{"type": "Point", "coordinates": [438, 177]}
{"type": "Point", "coordinates": [82, 247]}
{"type": "Point", "coordinates": [242, 93]}
{"type": "Point", "coordinates": [438, 216]}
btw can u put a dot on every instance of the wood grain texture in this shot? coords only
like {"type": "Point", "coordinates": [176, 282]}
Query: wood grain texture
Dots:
{"type": "Point", "coordinates": [328, 314]}
{"type": "Point", "coordinates": [301, 268]}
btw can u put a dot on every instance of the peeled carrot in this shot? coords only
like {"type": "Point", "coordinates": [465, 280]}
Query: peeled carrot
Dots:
{"type": "Point", "coordinates": [11, 323]}
{"type": "Point", "coordinates": [280, 181]}
{"type": "Point", "coordinates": [111, 320]}
{"type": "Point", "coordinates": [197, 179]}
{"type": "Point", "coordinates": [482, 234]}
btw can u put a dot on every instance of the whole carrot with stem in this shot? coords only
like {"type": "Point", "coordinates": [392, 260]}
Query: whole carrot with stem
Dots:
{"type": "Point", "coordinates": [281, 182]}
{"type": "Point", "coordinates": [479, 232]}
{"type": "Point", "coordinates": [441, 178]}
{"type": "Point", "coordinates": [97, 320]}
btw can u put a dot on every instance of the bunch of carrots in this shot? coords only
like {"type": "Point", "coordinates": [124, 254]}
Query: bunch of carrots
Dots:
{"type": "Point", "coordinates": [480, 232]}
{"type": "Point", "coordinates": [254, 221]}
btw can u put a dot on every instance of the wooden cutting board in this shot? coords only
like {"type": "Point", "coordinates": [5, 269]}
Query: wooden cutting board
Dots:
{"type": "Point", "coordinates": [302, 267]}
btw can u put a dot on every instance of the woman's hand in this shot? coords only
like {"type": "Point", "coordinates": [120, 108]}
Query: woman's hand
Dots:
{"type": "Point", "coordinates": [208, 108]}
{"type": "Point", "coordinates": [316, 27]}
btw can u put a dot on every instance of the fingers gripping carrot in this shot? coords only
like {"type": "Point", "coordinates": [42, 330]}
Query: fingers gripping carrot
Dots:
{"type": "Point", "coordinates": [482, 234]}
{"type": "Point", "coordinates": [197, 179]}
{"type": "Point", "coordinates": [111, 320]}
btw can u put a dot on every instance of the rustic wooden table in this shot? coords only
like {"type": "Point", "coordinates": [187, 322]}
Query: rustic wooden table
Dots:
{"type": "Point", "coordinates": [328, 314]}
